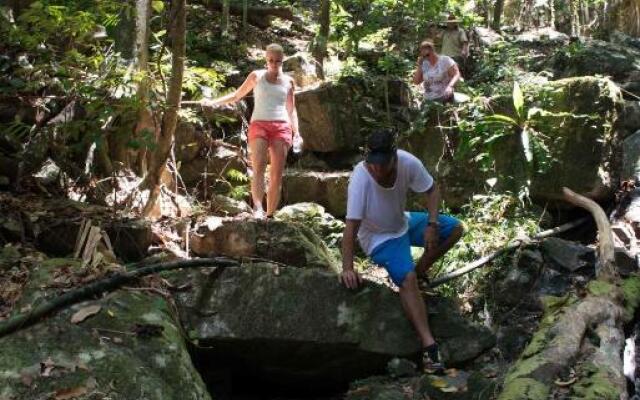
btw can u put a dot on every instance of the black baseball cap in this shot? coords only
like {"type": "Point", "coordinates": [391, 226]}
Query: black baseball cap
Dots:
{"type": "Point", "coordinates": [381, 146]}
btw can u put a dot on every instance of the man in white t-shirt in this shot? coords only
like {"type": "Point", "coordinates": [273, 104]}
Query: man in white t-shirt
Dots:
{"type": "Point", "coordinates": [376, 215]}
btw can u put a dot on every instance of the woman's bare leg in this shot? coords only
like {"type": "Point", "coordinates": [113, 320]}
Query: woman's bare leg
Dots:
{"type": "Point", "coordinates": [278, 155]}
{"type": "Point", "coordinates": [258, 149]}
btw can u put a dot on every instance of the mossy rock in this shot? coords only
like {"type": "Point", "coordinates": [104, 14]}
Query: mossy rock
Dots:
{"type": "Point", "coordinates": [107, 353]}
{"type": "Point", "coordinates": [102, 354]}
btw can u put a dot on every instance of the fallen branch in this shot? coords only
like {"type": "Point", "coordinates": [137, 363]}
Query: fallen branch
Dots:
{"type": "Point", "coordinates": [104, 285]}
{"type": "Point", "coordinates": [509, 247]}
{"type": "Point", "coordinates": [605, 265]}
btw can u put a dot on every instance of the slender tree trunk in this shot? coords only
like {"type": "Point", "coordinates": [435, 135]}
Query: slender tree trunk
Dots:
{"type": "Point", "coordinates": [170, 118]}
{"type": "Point", "coordinates": [497, 15]}
{"type": "Point", "coordinates": [575, 22]}
{"type": "Point", "coordinates": [320, 50]}
{"type": "Point", "coordinates": [245, 13]}
{"type": "Point", "coordinates": [225, 17]}
{"type": "Point", "coordinates": [486, 13]}
{"type": "Point", "coordinates": [552, 14]}
{"type": "Point", "coordinates": [145, 116]}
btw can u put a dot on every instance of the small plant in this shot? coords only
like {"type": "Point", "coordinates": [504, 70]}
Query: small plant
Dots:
{"type": "Point", "coordinates": [536, 152]}
{"type": "Point", "coordinates": [239, 184]}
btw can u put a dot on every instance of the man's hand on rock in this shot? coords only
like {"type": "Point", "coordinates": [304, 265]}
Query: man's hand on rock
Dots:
{"type": "Point", "coordinates": [350, 278]}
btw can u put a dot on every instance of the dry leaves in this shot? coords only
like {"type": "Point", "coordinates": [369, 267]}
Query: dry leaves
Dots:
{"type": "Point", "coordinates": [85, 313]}
{"type": "Point", "coordinates": [65, 394]}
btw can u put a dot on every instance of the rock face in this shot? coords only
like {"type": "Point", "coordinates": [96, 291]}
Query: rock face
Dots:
{"type": "Point", "coordinates": [329, 189]}
{"type": "Point", "coordinates": [302, 325]}
{"type": "Point", "coordinates": [106, 355]}
{"type": "Point", "coordinates": [336, 116]}
{"type": "Point", "coordinates": [596, 57]}
{"type": "Point", "coordinates": [542, 37]}
{"type": "Point", "coordinates": [575, 119]}
{"type": "Point", "coordinates": [203, 158]}
{"type": "Point", "coordinates": [289, 243]}
{"type": "Point", "coordinates": [302, 69]}
{"type": "Point", "coordinates": [315, 217]}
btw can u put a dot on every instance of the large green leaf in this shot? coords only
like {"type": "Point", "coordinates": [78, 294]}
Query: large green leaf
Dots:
{"type": "Point", "coordinates": [518, 100]}
{"type": "Point", "coordinates": [500, 119]}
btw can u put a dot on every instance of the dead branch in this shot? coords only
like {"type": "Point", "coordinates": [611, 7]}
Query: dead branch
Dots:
{"type": "Point", "coordinates": [605, 265]}
{"type": "Point", "coordinates": [509, 247]}
{"type": "Point", "coordinates": [96, 288]}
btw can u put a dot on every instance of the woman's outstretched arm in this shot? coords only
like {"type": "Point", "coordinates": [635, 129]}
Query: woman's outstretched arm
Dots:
{"type": "Point", "coordinates": [236, 95]}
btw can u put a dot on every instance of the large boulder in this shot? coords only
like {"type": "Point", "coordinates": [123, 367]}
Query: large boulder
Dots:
{"type": "Point", "coordinates": [328, 227]}
{"type": "Point", "coordinates": [595, 57]}
{"type": "Point", "coordinates": [302, 69]}
{"type": "Point", "coordinates": [336, 116]}
{"type": "Point", "coordinates": [541, 37]}
{"type": "Point", "coordinates": [302, 325]}
{"type": "Point", "coordinates": [289, 243]}
{"type": "Point", "coordinates": [131, 348]}
{"type": "Point", "coordinates": [576, 125]}
{"type": "Point", "coordinates": [329, 189]}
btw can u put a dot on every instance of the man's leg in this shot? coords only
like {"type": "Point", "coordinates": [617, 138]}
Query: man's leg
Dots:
{"type": "Point", "coordinates": [416, 309]}
{"type": "Point", "coordinates": [429, 257]}
{"type": "Point", "coordinates": [395, 256]}
{"type": "Point", "coordinates": [450, 231]}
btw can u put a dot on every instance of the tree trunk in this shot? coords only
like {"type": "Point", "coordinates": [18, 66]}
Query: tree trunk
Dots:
{"type": "Point", "coordinates": [552, 14]}
{"type": "Point", "coordinates": [245, 13]}
{"type": "Point", "coordinates": [145, 116]}
{"type": "Point", "coordinates": [174, 96]}
{"type": "Point", "coordinates": [574, 20]}
{"type": "Point", "coordinates": [320, 48]}
{"type": "Point", "coordinates": [225, 17]}
{"type": "Point", "coordinates": [486, 13]}
{"type": "Point", "coordinates": [497, 15]}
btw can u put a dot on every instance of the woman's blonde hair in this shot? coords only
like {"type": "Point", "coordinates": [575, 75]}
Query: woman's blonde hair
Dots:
{"type": "Point", "coordinates": [275, 48]}
{"type": "Point", "coordinates": [427, 43]}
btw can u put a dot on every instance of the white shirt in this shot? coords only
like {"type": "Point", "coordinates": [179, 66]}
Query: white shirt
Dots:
{"type": "Point", "coordinates": [270, 99]}
{"type": "Point", "coordinates": [382, 210]}
{"type": "Point", "coordinates": [436, 77]}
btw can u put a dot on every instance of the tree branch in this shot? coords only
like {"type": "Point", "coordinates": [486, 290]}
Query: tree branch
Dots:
{"type": "Point", "coordinates": [98, 287]}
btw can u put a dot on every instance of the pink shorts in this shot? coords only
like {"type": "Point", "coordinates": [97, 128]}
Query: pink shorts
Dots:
{"type": "Point", "coordinates": [270, 131]}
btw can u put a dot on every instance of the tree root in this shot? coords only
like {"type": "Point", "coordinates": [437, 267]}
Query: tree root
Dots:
{"type": "Point", "coordinates": [565, 336]}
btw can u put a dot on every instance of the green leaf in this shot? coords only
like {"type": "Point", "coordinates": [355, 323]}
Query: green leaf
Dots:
{"type": "Point", "coordinates": [518, 100]}
{"type": "Point", "coordinates": [157, 5]}
{"type": "Point", "coordinates": [500, 119]}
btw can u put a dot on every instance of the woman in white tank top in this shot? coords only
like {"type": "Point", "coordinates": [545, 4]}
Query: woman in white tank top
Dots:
{"type": "Point", "coordinates": [274, 122]}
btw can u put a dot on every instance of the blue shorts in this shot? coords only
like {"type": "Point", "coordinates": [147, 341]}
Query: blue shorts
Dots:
{"type": "Point", "coordinates": [395, 254]}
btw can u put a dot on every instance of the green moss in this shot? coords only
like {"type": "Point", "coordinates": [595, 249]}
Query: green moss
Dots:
{"type": "Point", "coordinates": [525, 389]}
{"type": "Point", "coordinates": [124, 365]}
{"type": "Point", "coordinates": [600, 288]}
{"type": "Point", "coordinates": [596, 387]}
{"type": "Point", "coordinates": [631, 291]}
{"type": "Point", "coordinates": [524, 367]}
{"type": "Point", "coordinates": [553, 306]}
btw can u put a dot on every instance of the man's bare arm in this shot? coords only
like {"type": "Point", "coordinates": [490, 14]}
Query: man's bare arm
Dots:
{"type": "Point", "coordinates": [349, 276]}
